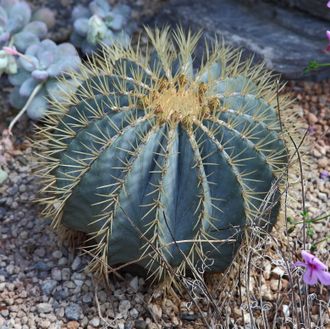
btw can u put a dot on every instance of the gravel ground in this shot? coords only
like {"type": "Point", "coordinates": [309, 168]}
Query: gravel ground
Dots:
{"type": "Point", "coordinates": [42, 280]}
{"type": "Point", "coordinates": [43, 283]}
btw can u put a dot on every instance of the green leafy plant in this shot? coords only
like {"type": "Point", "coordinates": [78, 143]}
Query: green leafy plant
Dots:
{"type": "Point", "coordinates": [309, 222]}
{"type": "Point", "coordinates": [162, 164]}
{"type": "Point", "coordinates": [99, 23]}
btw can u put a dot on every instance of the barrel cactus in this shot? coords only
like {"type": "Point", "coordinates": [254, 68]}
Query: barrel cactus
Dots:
{"type": "Point", "coordinates": [163, 164]}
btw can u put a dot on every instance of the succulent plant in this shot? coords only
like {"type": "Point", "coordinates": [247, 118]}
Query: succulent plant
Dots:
{"type": "Point", "coordinates": [100, 23]}
{"type": "Point", "coordinates": [164, 165]}
{"type": "Point", "coordinates": [37, 75]}
{"type": "Point", "coordinates": [17, 29]}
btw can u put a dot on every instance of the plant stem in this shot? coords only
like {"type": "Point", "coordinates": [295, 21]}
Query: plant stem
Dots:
{"type": "Point", "coordinates": [21, 112]}
{"type": "Point", "coordinates": [323, 65]}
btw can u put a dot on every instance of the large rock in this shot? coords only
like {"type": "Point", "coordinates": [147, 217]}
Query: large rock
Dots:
{"type": "Point", "coordinates": [287, 40]}
{"type": "Point", "coordinates": [314, 7]}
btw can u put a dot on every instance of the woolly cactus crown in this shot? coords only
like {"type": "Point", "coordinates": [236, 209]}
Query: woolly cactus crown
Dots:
{"type": "Point", "coordinates": [161, 164]}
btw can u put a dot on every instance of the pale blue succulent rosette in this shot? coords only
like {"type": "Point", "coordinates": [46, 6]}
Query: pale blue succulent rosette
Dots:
{"type": "Point", "coordinates": [100, 23]}
{"type": "Point", "coordinates": [36, 77]}
{"type": "Point", "coordinates": [17, 30]}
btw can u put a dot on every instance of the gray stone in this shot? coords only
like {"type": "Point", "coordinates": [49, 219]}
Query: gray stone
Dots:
{"type": "Point", "coordinates": [2, 212]}
{"type": "Point", "coordinates": [4, 313]}
{"type": "Point", "coordinates": [44, 308]}
{"type": "Point", "coordinates": [44, 324]}
{"type": "Point", "coordinates": [48, 286]}
{"type": "Point", "coordinates": [287, 40]}
{"type": "Point", "coordinates": [66, 273]}
{"type": "Point", "coordinates": [124, 307]}
{"type": "Point", "coordinates": [73, 312]}
{"type": "Point", "coordinates": [156, 311]}
{"type": "Point", "coordinates": [61, 293]}
{"type": "Point", "coordinates": [278, 272]}
{"type": "Point", "coordinates": [41, 252]}
{"type": "Point", "coordinates": [22, 188]}
{"type": "Point", "coordinates": [57, 254]}
{"type": "Point", "coordinates": [140, 324]}
{"type": "Point", "coordinates": [95, 322]}
{"type": "Point", "coordinates": [41, 266]}
{"type": "Point", "coordinates": [87, 298]}
{"type": "Point", "coordinates": [10, 269]}
{"type": "Point", "coordinates": [56, 274]}
{"type": "Point", "coordinates": [76, 263]}
{"type": "Point", "coordinates": [134, 283]}
{"type": "Point", "coordinates": [12, 190]}
{"type": "Point", "coordinates": [102, 295]}
{"type": "Point", "coordinates": [2, 286]}
{"type": "Point", "coordinates": [134, 313]}
{"type": "Point", "coordinates": [62, 261]}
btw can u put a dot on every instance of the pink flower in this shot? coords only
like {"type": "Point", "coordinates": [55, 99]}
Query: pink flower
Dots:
{"type": "Point", "coordinates": [328, 36]}
{"type": "Point", "coordinates": [315, 269]}
{"type": "Point", "coordinates": [11, 51]}
{"type": "Point", "coordinates": [328, 4]}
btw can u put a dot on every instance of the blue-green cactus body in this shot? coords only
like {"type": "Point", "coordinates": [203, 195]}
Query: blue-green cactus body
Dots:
{"type": "Point", "coordinates": [161, 183]}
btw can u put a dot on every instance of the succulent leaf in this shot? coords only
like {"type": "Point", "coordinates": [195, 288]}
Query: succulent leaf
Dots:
{"type": "Point", "coordinates": [122, 10]}
{"type": "Point", "coordinates": [15, 98]}
{"type": "Point", "coordinates": [80, 11]}
{"type": "Point", "coordinates": [37, 28]}
{"type": "Point", "coordinates": [81, 26]}
{"type": "Point", "coordinates": [18, 78]}
{"type": "Point", "coordinates": [29, 65]}
{"type": "Point", "coordinates": [4, 37]}
{"type": "Point", "coordinates": [114, 22]}
{"type": "Point", "coordinates": [99, 7]}
{"type": "Point", "coordinates": [24, 39]}
{"type": "Point", "coordinates": [19, 15]}
{"type": "Point", "coordinates": [3, 18]}
{"type": "Point", "coordinates": [38, 107]}
{"type": "Point", "coordinates": [40, 75]}
{"type": "Point", "coordinates": [27, 87]}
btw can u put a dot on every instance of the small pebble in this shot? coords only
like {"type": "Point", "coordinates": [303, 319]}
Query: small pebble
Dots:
{"type": "Point", "coordinates": [73, 312]}
{"type": "Point", "coordinates": [48, 286]}
{"type": "Point", "coordinates": [95, 322]}
{"type": "Point", "coordinates": [76, 263]}
{"type": "Point", "coordinates": [56, 274]}
{"type": "Point", "coordinates": [44, 308]}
